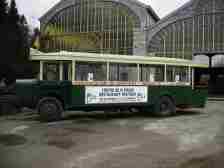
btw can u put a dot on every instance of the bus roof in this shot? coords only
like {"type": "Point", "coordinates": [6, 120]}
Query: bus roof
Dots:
{"type": "Point", "coordinates": [112, 58]}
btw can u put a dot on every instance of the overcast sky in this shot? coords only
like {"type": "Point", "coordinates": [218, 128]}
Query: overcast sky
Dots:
{"type": "Point", "coordinates": [33, 9]}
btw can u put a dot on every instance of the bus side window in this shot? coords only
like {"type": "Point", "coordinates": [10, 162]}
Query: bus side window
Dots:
{"type": "Point", "coordinates": [177, 78]}
{"type": "Point", "coordinates": [177, 74]}
{"type": "Point", "coordinates": [51, 71]}
{"type": "Point", "coordinates": [152, 73]}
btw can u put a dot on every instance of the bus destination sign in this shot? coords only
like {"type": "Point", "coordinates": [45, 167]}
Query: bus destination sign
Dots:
{"type": "Point", "coordinates": [116, 94]}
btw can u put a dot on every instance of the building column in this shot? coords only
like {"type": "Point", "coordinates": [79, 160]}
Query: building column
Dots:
{"type": "Point", "coordinates": [210, 67]}
{"type": "Point", "coordinates": [210, 73]}
{"type": "Point", "coordinates": [41, 70]}
{"type": "Point", "coordinates": [210, 62]}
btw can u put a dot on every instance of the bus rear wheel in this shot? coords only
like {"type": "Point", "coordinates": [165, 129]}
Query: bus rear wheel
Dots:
{"type": "Point", "coordinates": [164, 107]}
{"type": "Point", "coordinates": [50, 109]}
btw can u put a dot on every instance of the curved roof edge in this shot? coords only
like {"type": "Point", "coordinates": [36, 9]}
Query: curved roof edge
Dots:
{"type": "Point", "coordinates": [149, 9]}
{"type": "Point", "coordinates": [49, 10]}
{"type": "Point", "coordinates": [153, 13]}
{"type": "Point", "coordinates": [172, 14]}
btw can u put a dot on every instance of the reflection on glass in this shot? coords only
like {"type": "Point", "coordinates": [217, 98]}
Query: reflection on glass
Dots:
{"type": "Point", "coordinates": [67, 71]}
{"type": "Point", "coordinates": [177, 74]}
{"type": "Point", "coordinates": [199, 33]}
{"type": "Point", "coordinates": [152, 73]}
{"type": "Point", "coordinates": [91, 71]}
{"type": "Point", "coordinates": [51, 71]}
{"type": "Point", "coordinates": [91, 26]}
{"type": "Point", "coordinates": [123, 72]}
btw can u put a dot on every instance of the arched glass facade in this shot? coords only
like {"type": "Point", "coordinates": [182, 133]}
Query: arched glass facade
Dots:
{"type": "Point", "coordinates": [202, 32]}
{"type": "Point", "coordinates": [96, 26]}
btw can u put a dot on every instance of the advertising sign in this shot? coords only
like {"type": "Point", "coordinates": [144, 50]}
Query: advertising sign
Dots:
{"type": "Point", "coordinates": [116, 94]}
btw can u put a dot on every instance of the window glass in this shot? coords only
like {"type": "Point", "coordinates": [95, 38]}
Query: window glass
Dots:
{"type": "Point", "coordinates": [193, 34]}
{"type": "Point", "coordinates": [51, 71]}
{"type": "Point", "coordinates": [67, 71]}
{"type": "Point", "coordinates": [91, 26]}
{"type": "Point", "coordinates": [177, 74]}
{"type": "Point", "coordinates": [91, 71]}
{"type": "Point", "coordinates": [152, 73]}
{"type": "Point", "coordinates": [123, 72]}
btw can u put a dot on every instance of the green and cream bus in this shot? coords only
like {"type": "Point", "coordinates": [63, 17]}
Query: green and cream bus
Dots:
{"type": "Point", "coordinates": [88, 81]}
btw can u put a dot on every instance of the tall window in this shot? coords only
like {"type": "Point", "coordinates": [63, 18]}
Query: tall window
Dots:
{"type": "Point", "coordinates": [152, 73]}
{"type": "Point", "coordinates": [203, 32]}
{"type": "Point", "coordinates": [51, 71]}
{"type": "Point", "coordinates": [123, 72]}
{"type": "Point", "coordinates": [177, 74]}
{"type": "Point", "coordinates": [91, 71]}
{"type": "Point", "coordinates": [91, 26]}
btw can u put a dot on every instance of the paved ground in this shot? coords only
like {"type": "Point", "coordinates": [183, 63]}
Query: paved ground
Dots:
{"type": "Point", "coordinates": [124, 140]}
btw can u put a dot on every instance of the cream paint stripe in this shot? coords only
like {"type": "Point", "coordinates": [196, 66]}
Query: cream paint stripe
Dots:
{"type": "Point", "coordinates": [116, 60]}
{"type": "Point", "coordinates": [36, 55]}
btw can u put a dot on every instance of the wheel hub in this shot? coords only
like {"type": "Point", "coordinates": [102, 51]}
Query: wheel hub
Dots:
{"type": "Point", "coordinates": [49, 108]}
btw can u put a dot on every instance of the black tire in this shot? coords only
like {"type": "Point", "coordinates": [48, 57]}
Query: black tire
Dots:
{"type": "Point", "coordinates": [50, 109]}
{"type": "Point", "coordinates": [164, 107]}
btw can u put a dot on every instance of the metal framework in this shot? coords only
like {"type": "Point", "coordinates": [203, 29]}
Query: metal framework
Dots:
{"type": "Point", "coordinates": [96, 26]}
{"type": "Point", "coordinates": [203, 32]}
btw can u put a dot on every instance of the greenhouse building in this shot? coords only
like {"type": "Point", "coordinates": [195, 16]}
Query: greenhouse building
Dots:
{"type": "Point", "coordinates": [125, 41]}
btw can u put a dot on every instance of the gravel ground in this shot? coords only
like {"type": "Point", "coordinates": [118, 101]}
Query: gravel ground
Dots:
{"type": "Point", "coordinates": [192, 139]}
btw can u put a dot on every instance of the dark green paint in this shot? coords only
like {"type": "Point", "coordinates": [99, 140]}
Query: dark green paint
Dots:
{"type": "Point", "coordinates": [182, 95]}
{"type": "Point", "coordinates": [73, 97]}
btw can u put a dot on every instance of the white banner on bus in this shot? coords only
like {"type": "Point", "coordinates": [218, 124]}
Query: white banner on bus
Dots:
{"type": "Point", "coordinates": [116, 94]}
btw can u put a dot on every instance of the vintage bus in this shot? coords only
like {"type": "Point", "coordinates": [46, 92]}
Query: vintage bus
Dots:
{"type": "Point", "coordinates": [88, 81]}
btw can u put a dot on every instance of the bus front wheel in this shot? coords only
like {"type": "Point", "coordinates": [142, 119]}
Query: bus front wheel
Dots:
{"type": "Point", "coordinates": [164, 107]}
{"type": "Point", "coordinates": [50, 109]}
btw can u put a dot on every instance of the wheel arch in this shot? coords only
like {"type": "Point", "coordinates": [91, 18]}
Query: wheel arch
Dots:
{"type": "Point", "coordinates": [170, 105]}
{"type": "Point", "coordinates": [53, 95]}
{"type": "Point", "coordinates": [169, 95]}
